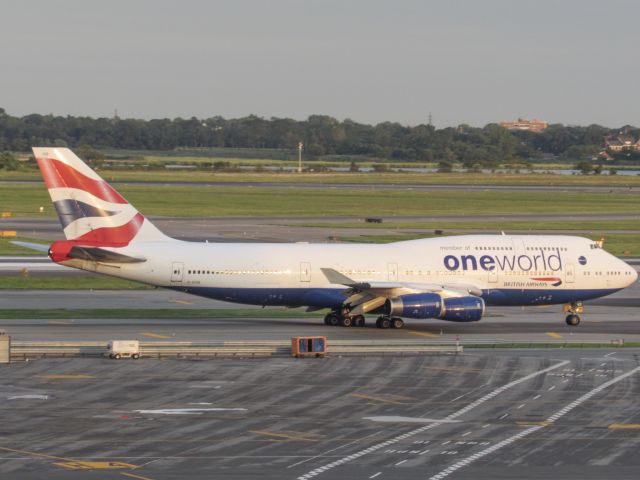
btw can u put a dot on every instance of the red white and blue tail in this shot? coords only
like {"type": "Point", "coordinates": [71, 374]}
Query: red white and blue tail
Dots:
{"type": "Point", "coordinates": [90, 210]}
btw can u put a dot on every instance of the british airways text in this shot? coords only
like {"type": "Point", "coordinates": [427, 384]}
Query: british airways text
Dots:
{"type": "Point", "coordinates": [544, 261]}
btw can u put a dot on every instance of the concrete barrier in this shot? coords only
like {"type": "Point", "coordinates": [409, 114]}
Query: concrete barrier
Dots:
{"type": "Point", "coordinates": [23, 350]}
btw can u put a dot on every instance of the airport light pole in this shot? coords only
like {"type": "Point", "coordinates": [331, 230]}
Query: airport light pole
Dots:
{"type": "Point", "coordinates": [300, 145]}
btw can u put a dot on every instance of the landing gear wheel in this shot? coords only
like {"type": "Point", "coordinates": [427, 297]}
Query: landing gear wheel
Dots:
{"type": "Point", "coordinates": [573, 320]}
{"type": "Point", "coordinates": [332, 319]}
{"type": "Point", "coordinates": [383, 322]}
{"type": "Point", "coordinates": [358, 320]}
{"type": "Point", "coordinates": [346, 321]}
{"type": "Point", "coordinates": [397, 323]}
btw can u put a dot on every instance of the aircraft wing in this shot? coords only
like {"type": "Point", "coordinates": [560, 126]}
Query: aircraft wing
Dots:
{"type": "Point", "coordinates": [367, 296]}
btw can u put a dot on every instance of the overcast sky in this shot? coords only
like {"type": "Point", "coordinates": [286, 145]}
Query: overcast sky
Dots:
{"type": "Point", "coordinates": [465, 61]}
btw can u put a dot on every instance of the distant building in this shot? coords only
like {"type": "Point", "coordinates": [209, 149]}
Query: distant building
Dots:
{"type": "Point", "coordinates": [526, 125]}
{"type": "Point", "coordinates": [618, 143]}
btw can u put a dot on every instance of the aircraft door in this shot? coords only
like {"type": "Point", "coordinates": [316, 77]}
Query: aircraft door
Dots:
{"type": "Point", "coordinates": [176, 271]}
{"type": "Point", "coordinates": [392, 272]}
{"type": "Point", "coordinates": [493, 275]}
{"type": "Point", "coordinates": [305, 272]}
{"type": "Point", "coordinates": [569, 273]}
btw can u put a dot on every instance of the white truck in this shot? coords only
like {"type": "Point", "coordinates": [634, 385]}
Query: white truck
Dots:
{"type": "Point", "coordinates": [118, 349]}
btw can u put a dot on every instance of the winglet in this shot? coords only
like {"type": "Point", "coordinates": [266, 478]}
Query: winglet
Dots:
{"type": "Point", "coordinates": [337, 278]}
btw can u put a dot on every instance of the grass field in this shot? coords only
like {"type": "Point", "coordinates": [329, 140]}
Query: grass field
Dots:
{"type": "Point", "coordinates": [66, 282]}
{"type": "Point", "coordinates": [195, 201]}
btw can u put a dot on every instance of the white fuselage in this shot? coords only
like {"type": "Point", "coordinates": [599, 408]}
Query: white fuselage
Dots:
{"type": "Point", "coordinates": [508, 269]}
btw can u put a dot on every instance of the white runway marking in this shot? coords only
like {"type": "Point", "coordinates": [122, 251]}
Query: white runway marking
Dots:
{"type": "Point", "coordinates": [398, 419]}
{"type": "Point", "coordinates": [189, 411]}
{"type": "Point", "coordinates": [556, 416]}
{"type": "Point", "coordinates": [462, 411]}
{"type": "Point", "coordinates": [29, 397]}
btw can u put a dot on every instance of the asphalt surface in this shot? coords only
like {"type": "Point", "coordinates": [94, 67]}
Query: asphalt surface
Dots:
{"type": "Point", "coordinates": [570, 414]}
{"type": "Point", "coordinates": [292, 229]}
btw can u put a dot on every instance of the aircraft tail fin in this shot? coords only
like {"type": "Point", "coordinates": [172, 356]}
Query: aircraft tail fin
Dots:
{"type": "Point", "coordinates": [90, 210]}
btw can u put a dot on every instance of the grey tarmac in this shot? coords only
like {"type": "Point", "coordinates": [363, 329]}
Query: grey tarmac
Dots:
{"type": "Point", "coordinates": [293, 229]}
{"type": "Point", "coordinates": [568, 414]}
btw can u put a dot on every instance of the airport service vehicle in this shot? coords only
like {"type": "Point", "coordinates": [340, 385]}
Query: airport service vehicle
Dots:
{"type": "Point", "coordinates": [124, 349]}
{"type": "Point", "coordinates": [446, 278]}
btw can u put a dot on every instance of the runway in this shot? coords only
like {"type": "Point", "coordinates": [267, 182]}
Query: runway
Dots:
{"type": "Point", "coordinates": [605, 320]}
{"type": "Point", "coordinates": [293, 229]}
{"type": "Point", "coordinates": [370, 186]}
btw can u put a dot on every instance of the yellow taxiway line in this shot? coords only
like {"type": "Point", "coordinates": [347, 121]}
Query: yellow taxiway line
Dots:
{"type": "Point", "coordinates": [626, 426]}
{"type": "Point", "coordinates": [395, 399]}
{"type": "Point", "coordinates": [70, 463]}
{"type": "Point", "coordinates": [305, 437]}
{"type": "Point", "coordinates": [155, 335]}
{"type": "Point", "coordinates": [422, 334]}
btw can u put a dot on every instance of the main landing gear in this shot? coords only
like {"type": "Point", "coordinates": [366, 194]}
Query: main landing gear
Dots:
{"type": "Point", "coordinates": [335, 319]}
{"type": "Point", "coordinates": [573, 309]}
{"type": "Point", "coordinates": [345, 320]}
{"type": "Point", "coordinates": [389, 322]}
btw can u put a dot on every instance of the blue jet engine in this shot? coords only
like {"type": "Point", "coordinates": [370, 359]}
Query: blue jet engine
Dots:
{"type": "Point", "coordinates": [432, 305]}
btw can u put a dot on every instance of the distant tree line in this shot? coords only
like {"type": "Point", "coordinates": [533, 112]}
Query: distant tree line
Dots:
{"type": "Point", "coordinates": [322, 136]}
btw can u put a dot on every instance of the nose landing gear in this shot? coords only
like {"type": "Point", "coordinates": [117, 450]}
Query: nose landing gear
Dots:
{"type": "Point", "coordinates": [573, 309]}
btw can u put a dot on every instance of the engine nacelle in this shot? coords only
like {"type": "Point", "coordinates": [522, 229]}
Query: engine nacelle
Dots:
{"type": "Point", "coordinates": [415, 305]}
{"type": "Point", "coordinates": [463, 309]}
{"type": "Point", "coordinates": [432, 305]}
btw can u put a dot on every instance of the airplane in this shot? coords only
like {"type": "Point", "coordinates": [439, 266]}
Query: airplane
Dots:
{"type": "Point", "coordinates": [449, 278]}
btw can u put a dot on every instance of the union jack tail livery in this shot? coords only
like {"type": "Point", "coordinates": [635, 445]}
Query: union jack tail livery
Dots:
{"type": "Point", "coordinates": [90, 210]}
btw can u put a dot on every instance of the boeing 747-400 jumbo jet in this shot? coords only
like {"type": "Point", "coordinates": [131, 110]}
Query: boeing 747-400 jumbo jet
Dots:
{"type": "Point", "coordinates": [447, 278]}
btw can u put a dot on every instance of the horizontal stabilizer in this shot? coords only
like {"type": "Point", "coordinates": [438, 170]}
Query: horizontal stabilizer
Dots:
{"type": "Point", "coordinates": [38, 247]}
{"type": "Point", "coordinates": [97, 254]}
